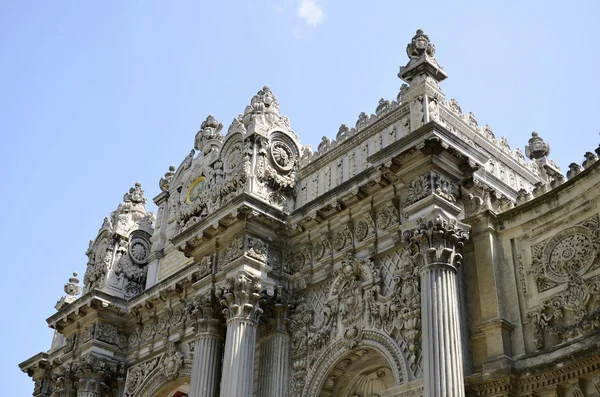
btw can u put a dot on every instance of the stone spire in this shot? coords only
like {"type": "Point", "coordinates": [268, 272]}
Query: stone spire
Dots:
{"type": "Point", "coordinates": [421, 53]}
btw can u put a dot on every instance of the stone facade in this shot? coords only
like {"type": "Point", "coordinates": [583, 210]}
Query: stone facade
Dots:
{"type": "Point", "coordinates": [416, 254]}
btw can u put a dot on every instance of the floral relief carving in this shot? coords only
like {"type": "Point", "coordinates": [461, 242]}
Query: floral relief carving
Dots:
{"type": "Point", "coordinates": [137, 374]}
{"type": "Point", "coordinates": [171, 362]}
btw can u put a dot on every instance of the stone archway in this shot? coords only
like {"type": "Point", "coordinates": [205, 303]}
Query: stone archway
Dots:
{"type": "Point", "coordinates": [376, 363]}
{"type": "Point", "coordinates": [361, 373]}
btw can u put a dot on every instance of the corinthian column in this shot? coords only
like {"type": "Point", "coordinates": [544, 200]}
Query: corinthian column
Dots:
{"type": "Point", "coordinates": [274, 368]}
{"type": "Point", "coordinates": [240, 296]}
{"type": "Point", "coordinates": [208, 347]}
{"type": "Point", "coordinates": [438, 241]}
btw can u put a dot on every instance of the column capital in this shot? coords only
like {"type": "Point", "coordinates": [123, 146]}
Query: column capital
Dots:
{"type": "Point", "coordinates": [274, 318]}
{"type": "Point", "coordinates": [204, 310]}
{"type": "Point", "coordinates": [438, 240]}
{"type": "Point", "coordinates": [240, 298]}
{"type": "Point", "coordinates": [95, 375]}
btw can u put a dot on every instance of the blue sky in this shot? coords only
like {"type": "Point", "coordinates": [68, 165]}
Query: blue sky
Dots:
{"type": "Point", "coordinates": [99, 95]}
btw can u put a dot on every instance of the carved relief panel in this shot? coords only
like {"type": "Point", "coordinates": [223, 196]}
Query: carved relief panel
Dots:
{"type": "Point", "coordinates": [563, 277]}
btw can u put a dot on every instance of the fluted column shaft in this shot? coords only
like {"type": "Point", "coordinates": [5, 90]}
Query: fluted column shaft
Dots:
{"type": "Point", "coordinates": [274, 370]}
{"type": "Point", "coordinates": [442, 343]}
{"type": "Point", "coordinates": [238, 361]}
{"type": "Point", "coordinates": [240, 297]}
{"type": "Point", "coordinates": [208, 350]}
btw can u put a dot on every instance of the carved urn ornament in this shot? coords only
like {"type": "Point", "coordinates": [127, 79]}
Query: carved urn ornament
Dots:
{"type": "Point", "coordinates": [420, 44]}
{"type": "Point", "coordinates": [537, 148]}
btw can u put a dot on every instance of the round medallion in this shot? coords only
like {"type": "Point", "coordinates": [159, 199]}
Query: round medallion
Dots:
{"type": "Point", "coordinates": [384, 219]}
{"type": "Point", "coordinates": [361, 231]}
{"type": "Point", "coordinates": [139, 249]}
{"type": "Point", "coordinates": [319, 250]}
{"type": "Point", "coordinates": [233, 158]}
{"type": "Point", "coordinates": [569, 253]}
{"type": "Point", "coordinates": [282, 156]}
{"type": "Point", "coordinates": [339, 241]}
{"type": "Point", "coordinates": [195, 189]}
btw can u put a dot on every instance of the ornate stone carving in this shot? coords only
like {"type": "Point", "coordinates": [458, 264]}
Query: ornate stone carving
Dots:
{"type": "Point", "coordinates": [383, 107]}
{"type": "Point", "coordinates": [203, 309]}
{"type": "Point", "coordinates": [257, 249]}
{"type": "Point", "coordinates": [387, 216]}
{"type": "Point", "coordinates": [118, 256]}
{"type": "Point", "coordinates": [96, 376]}
{"type": "Point", "coordinates": [399, 313]}
{"type": "Point", "coordinates": [537, 148]}
{"type": "Point", "coordinates": [263, 108]}
{"type": "Point", "coordinates": [165, 181]}
{"type": "Point", "coordinates": [571, 252]}
{"type": "Point", "coordinates": [420, 45]}
{"type": "Point", "coordinates": [429, 183]}
{"type": "Point", "coordinates": [171, 362]}
{"type": "Point", "coordinates": [137, 374]}
{"type": "Point", "coordinates": [438, 240]}
{"type": "Point", "coordinates": [72, 289]}
{"type": "Point", "coordinates": [234, 250]}
{"type": "Point", "coordinates": [566, 258]}
{"type": "Point", "coordinates": [209, 138]}
{"type": "Point", "coordinates": [240, 297]}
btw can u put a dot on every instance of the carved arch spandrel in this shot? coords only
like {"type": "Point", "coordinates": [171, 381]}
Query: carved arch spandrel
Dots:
{"type": "Point", "coordinates": [157, 382]}
{"type": "Point", "coordinates": [336, 352]}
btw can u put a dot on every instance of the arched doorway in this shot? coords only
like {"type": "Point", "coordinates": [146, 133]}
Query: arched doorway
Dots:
{"type": "Point", "coordinates": [362, 372]}
{"type": "Point", "coordinates": [376, 360]}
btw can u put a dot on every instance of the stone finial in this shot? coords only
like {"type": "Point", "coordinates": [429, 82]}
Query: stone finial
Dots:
{"type": "Point", "coordinates": [421, 62]}
{"type": "Point", "coordinates": [72, 288]}
{"type": "Point", "coordinates": [165, 181]}
{"type": "Point", "coordinates": [537, 148]}
{"type": "Point", "coordinates": [209, 136]}
{"type": "Point", "coordinates": [135, 195]}
{"type": "Point", "coordinates": [263, 104]}
{"type": "Point", "coordinates": [420, 44]}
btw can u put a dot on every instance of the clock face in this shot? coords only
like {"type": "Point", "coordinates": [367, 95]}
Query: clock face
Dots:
{"type": "Point", "coordinates": [195, 189]}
